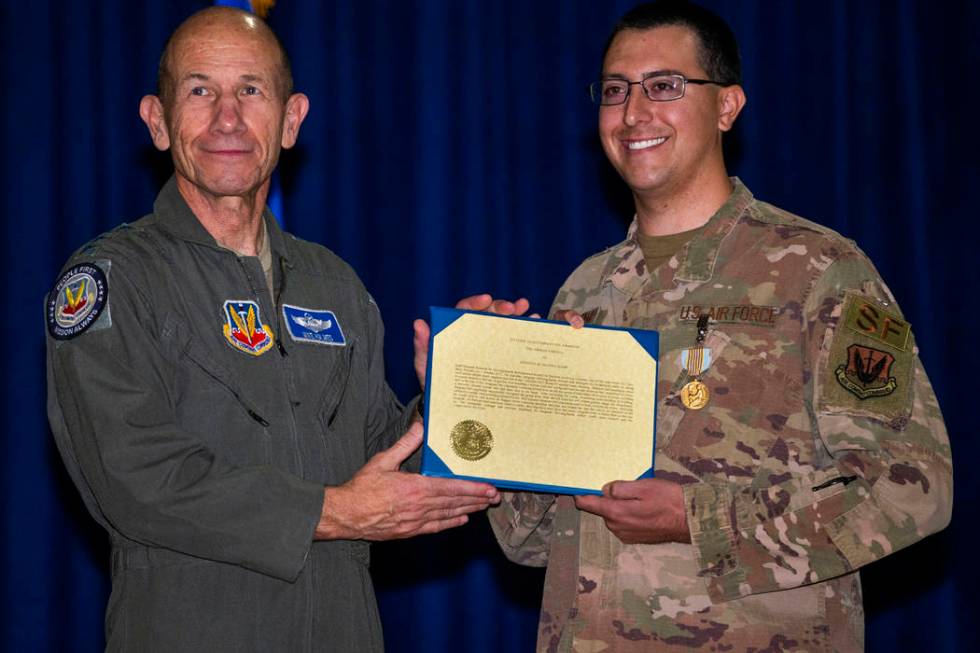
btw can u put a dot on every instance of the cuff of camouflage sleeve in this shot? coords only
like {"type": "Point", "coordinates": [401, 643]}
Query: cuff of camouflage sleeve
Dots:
{"type": "Point", "coordinates": [844, 530]}
{"type": "Point", "coordinates": [710, 510]}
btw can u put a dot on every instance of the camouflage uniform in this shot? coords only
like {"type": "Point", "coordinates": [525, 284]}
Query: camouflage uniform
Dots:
{"type": "Point", "coordinates": [821, 449]}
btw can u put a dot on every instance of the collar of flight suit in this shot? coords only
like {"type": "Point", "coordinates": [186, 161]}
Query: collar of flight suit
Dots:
{"type": "Point", "coordinates": [695, 261]}
{"type": "Point", "coordinates": [177, 218]}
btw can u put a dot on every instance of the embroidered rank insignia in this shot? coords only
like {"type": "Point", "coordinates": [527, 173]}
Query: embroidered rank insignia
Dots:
{"type": "Point", "coordinates": [77, 301]}
{"type": "Point", "coordinates": [313, 325]}
{"type": "Point", "coordinates": [244, 329]}
{"type": "Point", "coordinates": [867, 373]}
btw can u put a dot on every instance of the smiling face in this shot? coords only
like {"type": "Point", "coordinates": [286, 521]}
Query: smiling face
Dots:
{"type": "Point", "coordinates": [664, 148]}
{"type": "Point", "coordinates": [225, 119]}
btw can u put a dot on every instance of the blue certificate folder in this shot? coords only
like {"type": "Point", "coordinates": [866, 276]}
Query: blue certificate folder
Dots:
{"type": "Point", "coordinates": [592, 440]}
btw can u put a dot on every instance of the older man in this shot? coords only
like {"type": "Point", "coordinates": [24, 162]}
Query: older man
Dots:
{"type": "Point", "coordinates": [798, 437]}
{"type": "Point", "coordinates": [216, 386]}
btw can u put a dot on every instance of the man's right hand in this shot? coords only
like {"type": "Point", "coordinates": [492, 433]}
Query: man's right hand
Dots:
{"type": "Point", "coordinates": [382, 503]}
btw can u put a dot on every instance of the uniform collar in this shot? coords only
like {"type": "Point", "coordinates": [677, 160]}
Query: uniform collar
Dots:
{"type": "Point", "coordinates": [177, 217]}
{"type": "Point", "coordinates": [696, 260]}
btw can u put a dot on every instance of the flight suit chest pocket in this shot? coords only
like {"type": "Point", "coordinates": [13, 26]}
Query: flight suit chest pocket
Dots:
{"type": "Point", "coordinates": [340, 415]}
{"type": "Point", "coordinates": [334, 369]}
{"type": "Point", "coordinates": [211, 402]}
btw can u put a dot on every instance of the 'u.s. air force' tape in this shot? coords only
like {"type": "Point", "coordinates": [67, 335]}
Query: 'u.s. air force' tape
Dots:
{"type": "Point", "coordinates": [77, 301]}
{"type": "Point", "coordinates": [313, 325]}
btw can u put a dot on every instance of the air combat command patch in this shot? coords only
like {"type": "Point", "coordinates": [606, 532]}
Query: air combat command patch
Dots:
{"type": "Point", "coordinates": [867, 373]}
{"type": "Point", "coordinates": [244, 329]}
{"type": "Point", "coordinates": [77, 301]}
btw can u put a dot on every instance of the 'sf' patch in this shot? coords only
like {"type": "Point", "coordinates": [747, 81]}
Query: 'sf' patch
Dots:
{"type": "Point", "coordinates": [874, 322]}
{"type": "Point", "coordinates": [244, 329]}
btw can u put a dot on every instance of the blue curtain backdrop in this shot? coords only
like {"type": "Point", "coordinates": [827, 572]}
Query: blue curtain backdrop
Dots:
{"type": "Point", "coordinates": [450, 150]}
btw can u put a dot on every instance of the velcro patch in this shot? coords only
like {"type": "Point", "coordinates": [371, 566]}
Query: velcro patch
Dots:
{"type": "Point", "coordinates": [870, 319]}
{"type": "Point", "coordinates": [315, 325]}
{"type": "Point", "coordinates": [77, 301]}
{"type": "Point", "coordinates": [870, 362]}
{"type": "Point", "coordinates": [867, 372]}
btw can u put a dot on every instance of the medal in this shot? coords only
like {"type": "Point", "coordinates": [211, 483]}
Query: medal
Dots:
{"type": "Point", "coordinates": [695, 395]}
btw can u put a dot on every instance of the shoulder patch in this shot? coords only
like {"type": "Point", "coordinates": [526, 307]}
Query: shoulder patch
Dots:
{"type": "Point", "coordinates": [869, 362]}
{"type": "Point", "coordinates": [315, 325]}
{"type": "Point", "coordinates": [870, 319]}
{"type": "Point", "coordinates": [77, 301]}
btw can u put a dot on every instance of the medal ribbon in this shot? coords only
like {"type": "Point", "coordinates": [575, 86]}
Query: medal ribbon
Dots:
{"type": "Point", "coordinates": [695, 355]}
{"type": "Point", "coordinates": [695, 360]}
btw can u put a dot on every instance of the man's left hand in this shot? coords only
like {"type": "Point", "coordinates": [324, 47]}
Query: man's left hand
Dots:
{"type": "Point", "coordinates": [647, 511]}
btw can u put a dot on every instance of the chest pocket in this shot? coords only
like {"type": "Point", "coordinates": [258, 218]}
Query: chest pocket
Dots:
{"type": "Point", "coordinates": [211, 403]}
{"type": "Point", "coordinates": [755, 405]}
{"type": "Point", "coordinates": [320, 355]}
{"type": "Point", "coordinates": [334, 369]}
{"type": "Point", "coordinates": [340, 415]}
{"type": "Point", "coordinates": [673, 377]}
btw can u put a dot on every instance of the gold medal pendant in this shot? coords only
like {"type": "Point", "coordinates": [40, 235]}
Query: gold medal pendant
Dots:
{"type": "Point", "coordinates": [694, 395]}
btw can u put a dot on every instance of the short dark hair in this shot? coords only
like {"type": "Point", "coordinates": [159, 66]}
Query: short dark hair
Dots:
{"type": "Point", "coordinates": [718, 52]}
{"type": "Point", "coordinates": [166, 85]}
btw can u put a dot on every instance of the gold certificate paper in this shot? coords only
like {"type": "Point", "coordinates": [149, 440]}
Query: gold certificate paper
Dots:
{"type": "Point", "coordinates": [538, 405]}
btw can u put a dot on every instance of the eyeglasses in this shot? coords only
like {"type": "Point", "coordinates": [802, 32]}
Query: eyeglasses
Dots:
{"type": "Point", "coordinates": [659, 88]}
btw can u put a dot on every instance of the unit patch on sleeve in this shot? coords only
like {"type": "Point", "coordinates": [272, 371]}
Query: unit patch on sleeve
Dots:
{"type": "Point", "coordinates": [244, 329]}
{"type": "Point", "coordinates": [867, 373]}
{"type": "Point", "coordinates": [870, 361]}
{"type": "Point", "coordinates": [77, 301]}
{"type": "Point", "coordinates": [314, 325]}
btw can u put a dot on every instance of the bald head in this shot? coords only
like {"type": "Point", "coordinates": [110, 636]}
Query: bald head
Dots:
{"type": "Point", "coordinates": [217, 20]}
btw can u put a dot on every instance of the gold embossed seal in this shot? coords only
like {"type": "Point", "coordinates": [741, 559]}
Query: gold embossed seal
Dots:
{"type": "Point", "coordinates": [471, 440]}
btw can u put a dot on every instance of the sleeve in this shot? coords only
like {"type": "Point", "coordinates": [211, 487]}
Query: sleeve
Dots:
{"type": "Point", "coordinates": [387, 418]}
{"type": "Point", "coordinates": [111, 401]}
{"type": "Point", "coordinates": [523, 524]}
{"type": "Point", "coordinates": [887, 478]}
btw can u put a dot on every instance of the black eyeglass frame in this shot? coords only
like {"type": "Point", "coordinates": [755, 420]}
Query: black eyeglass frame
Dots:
{"type": "Point", "coordinates": [595, 88]}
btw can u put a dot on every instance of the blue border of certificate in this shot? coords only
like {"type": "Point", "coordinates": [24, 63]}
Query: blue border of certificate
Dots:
{"type": "Point", "coordinates": [432, 465]}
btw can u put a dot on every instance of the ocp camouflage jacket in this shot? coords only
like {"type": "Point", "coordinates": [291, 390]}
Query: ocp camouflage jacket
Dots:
{"type": "Point", "coordinates": [822, 447]}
